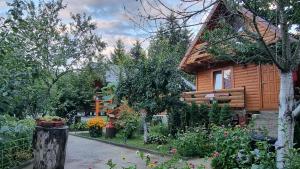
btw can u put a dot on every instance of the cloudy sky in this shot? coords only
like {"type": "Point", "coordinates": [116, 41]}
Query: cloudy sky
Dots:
{"type": "Point", "coordinates": [111, 18]}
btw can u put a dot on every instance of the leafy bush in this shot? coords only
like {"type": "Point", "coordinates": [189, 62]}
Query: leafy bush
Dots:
{"type": "Point", "coordinates": [160, 129]}
{"type": "Point", "coordinates": [156, 139]}
{"type": "Point", "coordinates": [203, 111]}
{"type": "Point", "coordinates": [14, 128]}
{"type": "Point", "coordinates": [95, 126]}
{"type": "Point", "coordinates": [193, 143]}
{"type": "Point", "coordinates": [293, 159]}
{"type": "Point", "coordinates": [128, 123]}
{"type": "Point", "coordinates": [225, 115]}
{"type": "Point", "coordinates": [232, 149]}
{"type": "Point", "coordinates": [214, 113]}
{"type": "Point", "coordinates": [81, 126]}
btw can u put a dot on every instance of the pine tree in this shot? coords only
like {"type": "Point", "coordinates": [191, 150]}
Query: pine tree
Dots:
{"type": "Point", "coordinates": [137, 52]}
{"type": "Point", "coordinates": [119, 54]}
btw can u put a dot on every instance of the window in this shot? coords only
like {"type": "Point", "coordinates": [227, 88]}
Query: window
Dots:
{"type": "Point", "coordinates": [217, 80]}
{"type": "Point", "coordinates": [222, 79]}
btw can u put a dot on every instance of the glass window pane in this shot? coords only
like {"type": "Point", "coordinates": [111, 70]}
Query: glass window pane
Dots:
{"type": "Point", "coordinates": [217, 80]}
{"type": "Point", "coordinates": [227, 78]}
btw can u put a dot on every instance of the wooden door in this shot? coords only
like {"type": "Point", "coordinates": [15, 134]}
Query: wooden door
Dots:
{"type": "Point", "coordinates": [270, 87]}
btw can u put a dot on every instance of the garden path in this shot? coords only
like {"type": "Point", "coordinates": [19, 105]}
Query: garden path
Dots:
{"type": "Point", "coordinates": [89, 154]}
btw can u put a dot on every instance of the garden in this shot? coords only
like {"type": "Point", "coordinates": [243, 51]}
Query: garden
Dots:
{"type": "Point", "coordinates": [56, 73]}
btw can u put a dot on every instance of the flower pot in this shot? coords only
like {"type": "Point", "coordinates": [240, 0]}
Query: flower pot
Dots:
{"type": "Point", "coordinates": [49, 124]}
{"type": "Point", "coordinates": [111, 132]}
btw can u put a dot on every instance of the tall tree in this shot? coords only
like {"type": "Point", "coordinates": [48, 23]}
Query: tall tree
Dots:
{"type": "Point", "coordinates": [50, 47]}
{"type": "Point", "coordinates": [137, 52]}
{"type": "Point", "coordinates": [152, 86]}
{"type": "Point", "coordinates": [119, 55]}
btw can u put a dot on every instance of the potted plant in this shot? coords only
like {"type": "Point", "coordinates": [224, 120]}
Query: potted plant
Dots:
{"type": "Point", "coordinates": [111, 130]}
{"type": "Point", "coordinates": [95, 126]}
{"type": "Point", "coordinates": [50, 121]}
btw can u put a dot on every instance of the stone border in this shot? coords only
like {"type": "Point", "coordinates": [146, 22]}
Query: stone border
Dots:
{"type": "Point", "coordinates": [124, 145]}
{"type": "Point", "coordinates": [24, 164]}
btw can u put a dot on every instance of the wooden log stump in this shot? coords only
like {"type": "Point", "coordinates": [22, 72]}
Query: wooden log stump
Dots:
{"type": "Point", "coordinates": [49, 147]}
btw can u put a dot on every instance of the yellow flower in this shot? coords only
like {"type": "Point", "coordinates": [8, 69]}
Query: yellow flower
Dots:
{"type": "Point", "coordinates": [152, 165]}
{"type": "Point", "coordinates": [96, 122]}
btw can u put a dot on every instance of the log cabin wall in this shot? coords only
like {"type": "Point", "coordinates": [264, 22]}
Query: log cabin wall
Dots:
{"type": "Point", "coordinates": [249, 76]}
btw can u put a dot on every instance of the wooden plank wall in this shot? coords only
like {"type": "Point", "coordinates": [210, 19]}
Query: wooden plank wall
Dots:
{"type": "Point", "coordinates": [249, 77]}
{"type": "Point", "coordinates": [243, 76]}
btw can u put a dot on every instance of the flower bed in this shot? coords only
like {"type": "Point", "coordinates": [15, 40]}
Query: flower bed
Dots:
{"type": "Point", "coordinates": [95, 126]}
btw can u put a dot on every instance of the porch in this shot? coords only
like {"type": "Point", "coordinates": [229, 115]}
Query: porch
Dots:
{"type": "Point", "coordinates": [234, 97]}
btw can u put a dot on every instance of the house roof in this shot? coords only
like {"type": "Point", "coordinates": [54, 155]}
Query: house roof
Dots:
{"type": "Point", "coordinates": [196, 54]}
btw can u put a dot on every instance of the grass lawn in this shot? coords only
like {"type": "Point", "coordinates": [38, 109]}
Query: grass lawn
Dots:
{"type": "Point", "coordinates": [136, 141]}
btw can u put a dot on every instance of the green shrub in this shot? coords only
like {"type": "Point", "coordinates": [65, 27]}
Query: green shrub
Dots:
{"type": "Point", "coordinates": [174, 118]}
{"type": "Point", "coordinates": [214, 113]}
{"type": "Point", "coordinates": [232, 150]}
{"type": "Point", "coordinates": [81, 126]}
{"type": "Point", "coordinates": [14, 128]}
{"type": "Point", "coordinates": [293, 159]}
{"type": "Point", "coordinates": [203, 111]}
{"type": "Point", "coordinates": [225, 115]}
{"type": "Point", "coordinates": [128, 123]}
{"type": "Point", "coordinates": [160, 129]}
{"type": "Point", "coordinates": [157, 139]}
{"type": "Point", "coordinates": [193, 143]}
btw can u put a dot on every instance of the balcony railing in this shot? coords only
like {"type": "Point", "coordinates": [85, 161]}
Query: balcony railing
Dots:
{"type": "Point", "coordinates": [234, 97]}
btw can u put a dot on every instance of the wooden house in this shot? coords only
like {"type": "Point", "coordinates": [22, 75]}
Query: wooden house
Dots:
{"type": "Point", "coordinates": [249, 87]}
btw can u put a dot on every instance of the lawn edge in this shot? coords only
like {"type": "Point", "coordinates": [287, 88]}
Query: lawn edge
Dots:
{"type": "Point", "coordinates": [123, 145]}
{"type": "Point", "coordinates": [24, 164]}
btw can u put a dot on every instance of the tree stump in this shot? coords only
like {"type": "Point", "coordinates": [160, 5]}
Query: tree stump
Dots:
{"type": "Point", "coordinates": [49, 147]}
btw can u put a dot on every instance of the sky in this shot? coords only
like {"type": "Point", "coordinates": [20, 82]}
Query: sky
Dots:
{"type": "Point", "coordinates": [112, 18]}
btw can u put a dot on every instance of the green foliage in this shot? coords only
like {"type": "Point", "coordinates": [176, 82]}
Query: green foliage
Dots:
{"type": "Point", "coordinates": [170, 42]}
{"type": "Point", "coordinates": [174, 118]}
{"type": "Point", "coordinates": [160, 129]}
{"type": "Point", "coordinates": [232, 149]}
{"type": "Point", "coordinates": [73, 92]}
{"type": "Point", "coordinates": [198, 114]}
{"type": "Point", "coordinates": [193, 143]}
{"type": "Point", "coordinates": [81, 126]}
{"type": "Point", "coordinates": [175, 162]}
{"type": "Point", "coordinates": [37, 49]}
{"type": "Point", "coordinates": [157, 139]}
{"type": "Point", "coordinates": [128, 123]}
{"type": "Point", "coordinates": [214, 113]}
{"type": "Point", "coordinates": [95, 131]}
{"type": "Point", "coordinates": [293, 159]}
{"type": "Point", "coordinates": [15, 151]}
{"type": "Point", "coordinates": [137, 52]}
{"type": "Point", "coordinates": [13, 128]}
{"type": "Point", "coordinates": [119, 55]}
{"type": "Point", "coordinates": [225, 115]}
{"type": "Point", "coordinates": [152, 85]}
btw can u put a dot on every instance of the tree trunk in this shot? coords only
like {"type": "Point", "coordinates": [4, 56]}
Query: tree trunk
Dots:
{"type": "Point", "coordinates": [145, 127]}
{"type": "Point", "coordinates": [285, 118]}
{"type": "Point", "coordinates": [49, 147]}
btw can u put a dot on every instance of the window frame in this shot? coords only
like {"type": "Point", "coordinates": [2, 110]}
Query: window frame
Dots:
{"type": "Point", "coordinates": [222, 70]}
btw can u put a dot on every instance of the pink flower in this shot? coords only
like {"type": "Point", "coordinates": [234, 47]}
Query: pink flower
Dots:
{"type": "Point", "coordinates": [216, 154]}
{"type": "Point", "coordinates": [225, 133]}
{"type": "Point", "coordinates": [191, 165]}
{"type": "Point", "coordinates": [173, 150]}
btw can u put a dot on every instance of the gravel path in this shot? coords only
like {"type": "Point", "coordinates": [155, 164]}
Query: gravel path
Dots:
{"type": "Point", "coordinates": [89, 154]}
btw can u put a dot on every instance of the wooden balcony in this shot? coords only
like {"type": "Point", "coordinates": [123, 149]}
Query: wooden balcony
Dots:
{"type": "Point", "coordinates": [235, 97]}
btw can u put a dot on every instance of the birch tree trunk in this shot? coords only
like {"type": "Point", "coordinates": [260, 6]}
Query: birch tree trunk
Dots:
{"type": "Point", "coordinates": [145, 127]}
{"type": "Point", "coordinates": [285, 118]}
